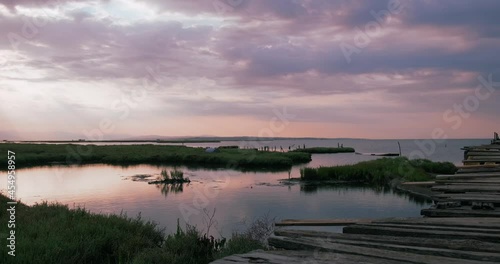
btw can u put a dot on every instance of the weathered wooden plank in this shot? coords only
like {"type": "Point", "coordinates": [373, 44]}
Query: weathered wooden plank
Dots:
{"type": "Point", "coordinates": [409, 226]}
{"type": "Point", "coordinates": [482, 222]}
{"type": "Point", "coordinates": [459, 212]}
{"type": "Point", "coordinates": [488, 194]}
{"type": "Point", "coordinates": [484, 157]}
{"type": "Point", "coordinates": [321, 222]}
{"type": "Point", "coordinates": [466, 188]}
{"type": "Point", "coordinates": [495, 180]}
{"type": "Point", "coordinates": [480, 162]}
{"type": "Point", "coordinates": [481, 150]}
{"type": "Point", "coordinates": [402, 231]}
{"type": "Point", "coordinates": [484, 153]}
{"type": "Point", "coordinates": [454, 183]}
{"type": "Point", "coordinates": [455, 244]}
{"type": "Point", "coordinates": [478, 169]}
{"type": "Point", "coordinates": [469, 176]}
{"type": "Point", "coordinates": [300, 257]}
{"type": "Point", "coordinates": [403, 254]}
{"type": "Point", "coordinates": [489, 147]}
{"type": "Point", "coordinates": [467, 198]}
{"type": "Point", "coordinates": [261, 257]}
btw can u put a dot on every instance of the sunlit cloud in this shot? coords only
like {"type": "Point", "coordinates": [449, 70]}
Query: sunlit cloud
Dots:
{"type": "Point", "coordinates": [220, 67]}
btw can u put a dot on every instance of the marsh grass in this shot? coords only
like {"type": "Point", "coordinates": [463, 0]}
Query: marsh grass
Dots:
{"type": "Point", "coordinates": [54, 233]}
{"type": "Point", "coordinates": [380, 171]}
{"type": "Point", "coordinates": [241, 159]}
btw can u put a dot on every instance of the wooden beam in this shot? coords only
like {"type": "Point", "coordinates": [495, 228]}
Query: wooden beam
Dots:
{"type": "Point", "coordinates": [469, 176]}
{"type": "Point", "coordinates": [466, 188]}
{"type": "Point", "coordinates": [403, 254]}
{"type": "Point", "coordinates": [321, 222]}
{"type": "Point", "coordinates": [459, 212]}
{"type": "Point", "coordinates": [457, 244]}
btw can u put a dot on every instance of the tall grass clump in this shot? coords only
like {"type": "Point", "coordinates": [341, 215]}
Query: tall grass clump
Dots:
{"type": "Point", "coordinates": [53, 233]}
{"type": "Point", "coordinates": [380, 171]}
{"type": "Point", "coordinates": [175, 175]}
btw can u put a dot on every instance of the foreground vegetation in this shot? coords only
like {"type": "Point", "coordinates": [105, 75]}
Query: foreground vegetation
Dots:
{"type": "Point", "coordinates": [325, 150]}
{"type": "Point", "coordinates": [44, 154]}
{"type": "Point", "coordinates": [380, 171]}
{"type": "Point", "coordinates": [53, 233]}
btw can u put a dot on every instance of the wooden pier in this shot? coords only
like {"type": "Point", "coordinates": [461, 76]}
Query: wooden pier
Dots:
{"type": "Point", "coordinates": [474, 191]}
{"type": "Point", "coordinates": [463, 226]}
{"type": "Point", "coordinates": [394, 240]}
{"type": "Point", "coordinates": [483, 155]}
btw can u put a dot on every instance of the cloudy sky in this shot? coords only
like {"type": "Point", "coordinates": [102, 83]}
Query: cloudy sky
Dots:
{"type": "Point", "coordinates": [306, 68]}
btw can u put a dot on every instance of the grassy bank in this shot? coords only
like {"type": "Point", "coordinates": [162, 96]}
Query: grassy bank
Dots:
{"type": "Point", "coordinates": [44, 154]}
{"type": "Point", "coordinates": [380, 171]}
{"type": "Point", "coordinates": [51, 233]}
{"type": "Point", "coordinates": [325, 150]}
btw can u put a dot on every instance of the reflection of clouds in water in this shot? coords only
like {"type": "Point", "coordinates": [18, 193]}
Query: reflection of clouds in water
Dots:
{"type": "Point", "coordinates": [101, 189]}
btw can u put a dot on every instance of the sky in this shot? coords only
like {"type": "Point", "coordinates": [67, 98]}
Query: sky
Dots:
{"type": "Point", "coordinates": [111, 69]}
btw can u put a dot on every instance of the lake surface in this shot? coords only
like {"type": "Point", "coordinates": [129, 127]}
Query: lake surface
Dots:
{"type": "Point", "coordinates": [237, 197]}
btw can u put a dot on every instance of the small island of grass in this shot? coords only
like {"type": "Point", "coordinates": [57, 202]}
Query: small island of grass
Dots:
{"type": "Point", "coordinates": [175, 177]}
{"type": "Point", "coordinates": [380, 171]}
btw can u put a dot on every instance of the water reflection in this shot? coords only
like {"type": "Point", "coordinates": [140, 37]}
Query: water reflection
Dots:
{"type": "Point", "coordinates": [312, 189]}
{"type": "Point", "coordinates": [171, 188]}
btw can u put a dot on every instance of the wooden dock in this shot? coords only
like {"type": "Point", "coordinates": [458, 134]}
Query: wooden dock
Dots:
{"type": "Point", "coordinates": [463, 226]}
{"type": "Point", "coordinates": [393, 240]}
{"type": "Point", "coordinates": [483, 155]}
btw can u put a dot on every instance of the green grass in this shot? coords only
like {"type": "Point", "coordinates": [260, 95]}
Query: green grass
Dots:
{"type": "Point", "coordinates": [380, 171]}
{"type": "Point", "coordinates": [243, 159]}
{"type": "Point", "coordinates": [53, 233]}
{"type": "Point", "coordinates": [325, 150]}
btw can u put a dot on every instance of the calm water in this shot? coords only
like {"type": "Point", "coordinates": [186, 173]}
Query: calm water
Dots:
{"type": "Point", "coordinates": [238, 197]}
